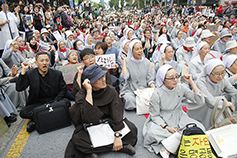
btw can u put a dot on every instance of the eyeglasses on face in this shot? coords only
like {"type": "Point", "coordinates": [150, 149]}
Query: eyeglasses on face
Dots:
{"type": "Point", "coordinates": [219, 74]}
{"type": "Point", "coordinates": [89, 57]}
{"type": "Point", "coordinates": [173, 78]}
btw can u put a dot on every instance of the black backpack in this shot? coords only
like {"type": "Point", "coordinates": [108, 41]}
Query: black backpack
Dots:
{"type": "Point", "coordinates": [192, 129]}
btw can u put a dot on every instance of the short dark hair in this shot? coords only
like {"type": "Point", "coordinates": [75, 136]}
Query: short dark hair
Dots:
{"type": "Point", "coordinates": [40, 53]}
{"type": "Point", "coordinates": [102, 45]}
{"type": "Point", "coordinates": [201, 25]}
{"type": "Point", "coordinates": [86, 51]}
{"type": "Point", "coordinates": [104, 27]}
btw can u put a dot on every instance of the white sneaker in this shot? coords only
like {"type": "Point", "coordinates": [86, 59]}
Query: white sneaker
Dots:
{"type": "Point", "coordinates": [165, 154]}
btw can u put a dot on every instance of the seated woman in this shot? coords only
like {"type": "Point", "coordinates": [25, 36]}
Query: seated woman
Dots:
{"type": "Point", "coordinates": [167, 56]}
{"type": "Point", "coordinates": [95, 102]}
{"type": "Point", "coordinates": [178, 41]}
{"type": "Point", "coordinates": [61, 54]}
{"type": "Point", "coordinates": [184, 53]}
{"type": "Point", "coordinates": [34, 46]}
{"type": "Point", "coordinates": [123, 51]}
{"type": "Point", "coordinates": [136, 72]}
{"type": "Point", "coordinates": [22, 48]}
{"type": "Point", "coordinates": [78, 46]}
{"type": "Point", "coordinates": [198, 60]}
{"type": "Point", "coordinates": [148, 43]}
{"type": "Point", "coordinates": [6, 75]}
{"type": "Point", "coordinates": [166, 115]}
{"type": "Point", "coordinates": [213, 85]}
{"type": "Point", "coordinates": [72, 57]}
{"type": "Point", "coordinates": [111, 49]}
{"type": "Point", "coordinates": [88, 42]}
{"type": "Point", "coordinates": [231, 48]}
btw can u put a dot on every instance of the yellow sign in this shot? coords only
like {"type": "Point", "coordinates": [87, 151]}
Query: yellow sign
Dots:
{"type": "Point", "coordinates": [195, 146]}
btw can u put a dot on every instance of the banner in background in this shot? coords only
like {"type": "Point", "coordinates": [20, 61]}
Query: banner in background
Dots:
{"type": "Point", "coordinates": [71, 3]}
{"type": "Point", "coordinates": [76, 3]}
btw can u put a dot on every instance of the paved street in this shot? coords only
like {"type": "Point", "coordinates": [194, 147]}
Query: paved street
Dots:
{"type": "Point", "coordinates": [53, 144]}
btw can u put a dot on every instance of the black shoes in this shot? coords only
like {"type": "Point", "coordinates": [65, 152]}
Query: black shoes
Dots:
{"type": "Point", "coordinates": [30, 127]}
{"type": "Point", "coordinates": [94, 156]}
{"type": "Point", "coordinates": [128, 149]}
{"type": "Point", "coordinates": [12, 118]}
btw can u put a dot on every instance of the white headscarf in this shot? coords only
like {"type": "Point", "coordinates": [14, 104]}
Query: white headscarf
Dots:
{"type": "Point", "coordinates": [126, 34]}
{"type": "Point", "coordinates": [197, 33]}
{"type": "Point", "coordinates": [160, 76]}
{"type": "Point", "coordinates": [211, 64]}
{"type": "Point", "coordinates": [162, 51]}
{"type": "Point", "coordinates": [7, 45]}
{"type": "Point", "coordinates": [86, 43]}
{"type": "Point", "coordinates": [131, 47]}
{"type": "Point", "coordinates": [229, 60]}
{"type": "Point", "coordinates": [123, 45]}
{"type": "Point", "coordinates": [198, 47]}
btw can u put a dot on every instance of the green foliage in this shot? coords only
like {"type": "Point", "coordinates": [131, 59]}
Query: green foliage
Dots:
{"type": "Point", "coordinates": [97, 5]}
{"type": "Point", "coordinates": [114, 3]}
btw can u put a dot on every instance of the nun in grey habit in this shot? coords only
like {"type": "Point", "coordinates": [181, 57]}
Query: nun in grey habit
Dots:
{"type": "Point", "coordinates": [136, 72]}
{"type": "Point", "coordinates": [213, 85]}
{"type": "Point", "coordinates": [17, 98]}
{"type": "Point", "coordinates": [166, 114]}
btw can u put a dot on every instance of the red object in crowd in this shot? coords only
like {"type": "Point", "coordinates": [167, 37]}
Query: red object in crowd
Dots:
{"type": "Point", "coordinates": [194, 32]}
{"type": "Point", "coordinates": [219, 10]}
{"type": "Point", "coordinates": [62, 50]}
{"type": "Point", "coordinates": [184, 108]}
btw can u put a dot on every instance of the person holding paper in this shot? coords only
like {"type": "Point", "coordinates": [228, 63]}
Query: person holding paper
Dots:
{"type": "Point", "coordinates": [95, 103]}
{"type": "Point", "coordinates": [136, 72]}
{"type": "Point", "coordinates": [166, 115]}
{"type": "Point", "coordinates": [213, 84]}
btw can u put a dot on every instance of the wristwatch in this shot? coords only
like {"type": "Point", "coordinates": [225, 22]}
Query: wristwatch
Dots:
{"type": "Point", "coordinates": [117, 134]}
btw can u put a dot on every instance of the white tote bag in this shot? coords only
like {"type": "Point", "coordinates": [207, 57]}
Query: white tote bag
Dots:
{"type": "Point", "coordinates": [142, 100]}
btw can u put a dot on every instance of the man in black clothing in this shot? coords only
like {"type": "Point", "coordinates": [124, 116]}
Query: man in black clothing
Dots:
{"type": "Point", "coordinates": [45, 85]}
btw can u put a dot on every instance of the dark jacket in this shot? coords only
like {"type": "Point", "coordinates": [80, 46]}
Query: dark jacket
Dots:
{"type": "Point", "coordinates": [32, 79]}
{"type": "Point", "coordinates": [64, 22]}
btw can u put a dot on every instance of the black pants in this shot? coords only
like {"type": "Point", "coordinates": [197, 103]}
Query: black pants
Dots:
{"type": "Point", "coordinates": [27, 111]}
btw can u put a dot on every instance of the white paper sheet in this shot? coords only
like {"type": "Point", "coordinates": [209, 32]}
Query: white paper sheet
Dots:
{"type": "Point", "coordinates": [102, 134]}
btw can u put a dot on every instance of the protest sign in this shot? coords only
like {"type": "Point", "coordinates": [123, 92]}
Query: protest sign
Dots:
{"type": "Point", "coordinates": [29, 21]}
{"type": "Point", "coordinates": [107, 60]}
{"type": "Point", "coordinates": [69, 72]}
{"type": "Point", "coordinates": [212, 27]}
{"type": "Point", "coordinates": [57, 35]}
{"type": "Point", "coordinates": [195, 146]}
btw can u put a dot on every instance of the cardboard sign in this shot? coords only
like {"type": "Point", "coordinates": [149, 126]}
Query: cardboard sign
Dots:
{"type": "Point", "coordinates": [69, 72]}
{"type": "Point", "coordinates": [107, 60]}
{"type": "Point", "coordinates": [195, 146]}
{"type": "Point", "coordinates": [212, 27]}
